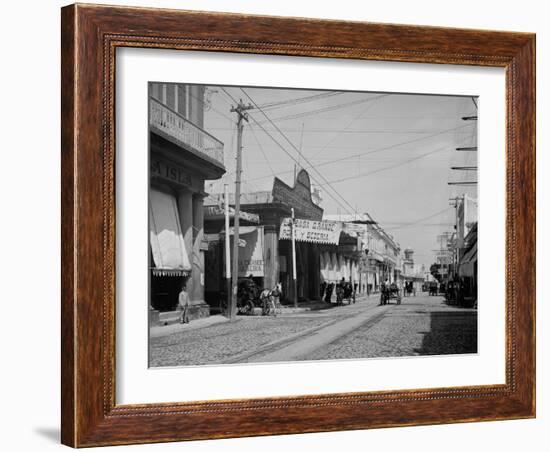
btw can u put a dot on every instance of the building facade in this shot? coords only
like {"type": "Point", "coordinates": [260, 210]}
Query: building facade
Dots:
{"type": "Point", "coordinates": [269, 239]}
{"type": "Point", "coordinates": [182, 155]}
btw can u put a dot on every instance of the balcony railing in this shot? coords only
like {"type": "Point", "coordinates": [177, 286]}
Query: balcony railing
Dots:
{"type": "Point", "coordinates": [176, 126]}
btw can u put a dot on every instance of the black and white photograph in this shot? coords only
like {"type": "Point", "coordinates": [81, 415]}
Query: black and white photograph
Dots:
{"type": "Point", "coordinates": [293, 224]}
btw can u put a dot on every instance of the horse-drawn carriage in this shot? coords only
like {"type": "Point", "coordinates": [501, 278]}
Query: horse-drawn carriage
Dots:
{"type": "Point", "coordinates": [250, 296]}
{"type": "Point", "coordinates": [390, 292]}
{"type": "Point", "coordinates": [345, 292]}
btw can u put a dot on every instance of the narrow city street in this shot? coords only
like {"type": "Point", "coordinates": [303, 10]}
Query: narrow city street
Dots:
{"type": "Point", "coordinates": [421, 325]}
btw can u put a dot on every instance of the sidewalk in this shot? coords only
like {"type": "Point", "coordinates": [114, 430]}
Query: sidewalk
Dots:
{"type": "Point", "coordinates": [318, 305]}
{"type": "Point", "coordinates": [169, 321]}
{"type": "Point", "coordinates": [175, 326]}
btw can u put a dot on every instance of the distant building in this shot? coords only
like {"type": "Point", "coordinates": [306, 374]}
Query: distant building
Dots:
{"type": "Point", "coordinates": [379, 259]}
{"type": "Point", "coordinates": [412, 272]}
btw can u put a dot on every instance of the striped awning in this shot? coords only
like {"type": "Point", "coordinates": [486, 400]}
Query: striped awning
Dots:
{"type": "Point", "coordinates": [165, 272]}
{"type": "Point", "coordinates": [165, 235]}
{"type": "Point", "coordinates": [466, 266]}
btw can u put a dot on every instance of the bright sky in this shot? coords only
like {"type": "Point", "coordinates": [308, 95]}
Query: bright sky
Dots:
{"type": "Point", "coordinates": [386, 154]}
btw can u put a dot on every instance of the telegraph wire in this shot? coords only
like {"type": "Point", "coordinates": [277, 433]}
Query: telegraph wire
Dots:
{"type": "Point", "coordinates": [295, 160]}
{"type": "Point", "coordinates": [325, 109]}
{"type": "Point", "coordinates": [299, 100]}
{"type": "Point", "coordinates": [279, 144]}
{"type": "Point", "coordinates": [299, 153]}
{"type": "Point", "coordinates": [379, 170]}
{"type": "Point", "coordinates": [263, 152]}
{"type": "Point", "coordinates": [374, 151]}
{"type": "Point", "coordinates": [345, 129]}
{"type": "Point", "coordinates": [420, 219]}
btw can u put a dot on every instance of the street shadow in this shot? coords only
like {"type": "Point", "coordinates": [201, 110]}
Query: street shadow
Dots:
{"type": "Point", "coordinates": [451, 333]}
{"type": "Point", "coordinates": [52, 434]}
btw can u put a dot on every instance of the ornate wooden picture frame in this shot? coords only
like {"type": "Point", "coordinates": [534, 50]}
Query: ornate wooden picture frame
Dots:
{"type": "Point", "coordinates": [90, 37]}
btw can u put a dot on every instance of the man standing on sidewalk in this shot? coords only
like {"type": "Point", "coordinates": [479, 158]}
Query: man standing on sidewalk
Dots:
{"type": "Point", "coordinates": [183, 302]}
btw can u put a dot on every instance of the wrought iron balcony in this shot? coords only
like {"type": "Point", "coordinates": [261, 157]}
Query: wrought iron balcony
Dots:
{"type": "Point", "coordinates": [185, 132]}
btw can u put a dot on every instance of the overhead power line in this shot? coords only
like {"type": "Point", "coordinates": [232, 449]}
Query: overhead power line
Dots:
{"type": "Point", "coordinates": [299, 100]}
{"type": "Point", "coordinates": [379, 170]}
{"type": "Point", "coordinates": [325, 109]}
{"type": "Point", "coordinates": [294, 159]}
{"type": "Point", "coordinates": [305, 159]}
{"type": "Point", "coordinates": [374, 151]}
{"type": "Point", "coordinates": [352, 131]}
{"type": "Point", "coordinates": [263, 152]}
{"type": "Point", "coordinates": [230, 96]}
{"type": "Point", "coordinates": [420, 219]}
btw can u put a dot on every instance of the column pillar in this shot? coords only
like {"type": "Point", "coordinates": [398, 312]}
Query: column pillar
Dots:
{"type": "Point", "coordinates": [271, 256]}
{"type": "Point", "coordinates": [185, 212]}
{"type": "Point", "coordinates": [315, 272]}
{"type": "Point", "coordinates": [191, 221]}
{"type": "Point", "coordinates": [197, 263]}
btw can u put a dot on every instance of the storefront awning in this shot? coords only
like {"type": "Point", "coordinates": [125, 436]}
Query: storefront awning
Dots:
{"type": "Point", "coordinates": [470, 256]}
{"type": "Point", "coordinates": [466, 266]}
{"type": "Point", "coordinates": [375, 256]}
{"type": "Point", "coordinates": [165, 235]}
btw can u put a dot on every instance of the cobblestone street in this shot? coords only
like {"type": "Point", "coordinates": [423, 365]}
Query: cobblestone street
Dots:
{"type": "Point", "coordinates": [421, 325]}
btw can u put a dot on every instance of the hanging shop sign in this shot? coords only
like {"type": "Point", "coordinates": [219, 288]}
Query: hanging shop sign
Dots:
{"type": "Point", "coordinates": [251, 250]}
{"type": "Point", "coordinates": [218, 213]}
{"type": "Point", "coordinates": [311, 231]}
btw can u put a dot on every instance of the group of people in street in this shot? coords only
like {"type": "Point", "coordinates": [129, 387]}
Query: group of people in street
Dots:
{"type": "Point", "coordinates": [345, 290]}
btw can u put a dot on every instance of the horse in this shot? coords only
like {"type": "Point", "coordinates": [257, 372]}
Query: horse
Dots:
{"type": "Point", "coordinates": [270, 298]}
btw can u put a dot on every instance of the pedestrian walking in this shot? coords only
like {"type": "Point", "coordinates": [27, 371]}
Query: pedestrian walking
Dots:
{"type": "Point", "coordinates": [183, 303]}
{"type": "Point", "coordinates": [340, 288]}
{"type": "Point", "coordinates": [322, 289]}
{"type": "Point", "coordinates": [329, 290]}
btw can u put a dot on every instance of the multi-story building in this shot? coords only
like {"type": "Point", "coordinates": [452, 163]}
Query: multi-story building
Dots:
{"type": "Point", "coordinates": [182, 155]}
{"type": "Point", "coordinates": [266, 254]}
{"type": "Point", "coordinates": [379, 260]}
{"type": "Point", "coordinates": [411, 271]}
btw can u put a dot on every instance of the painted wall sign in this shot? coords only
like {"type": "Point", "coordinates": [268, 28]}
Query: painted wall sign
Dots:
{"type": "Point", "coordinates": [311, 231]}
{"type": "Point", "coordinates": [251, 255]}
{"type": "Point", "coordinates": [170, 172]}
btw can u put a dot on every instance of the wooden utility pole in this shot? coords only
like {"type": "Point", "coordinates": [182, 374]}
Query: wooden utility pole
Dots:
{"type": "Point", "coordinates": [227, 252]}
{"type": "Point", "coordinates": [240, 109]}
{"type": "Point", "coordinates": [294, 282]}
